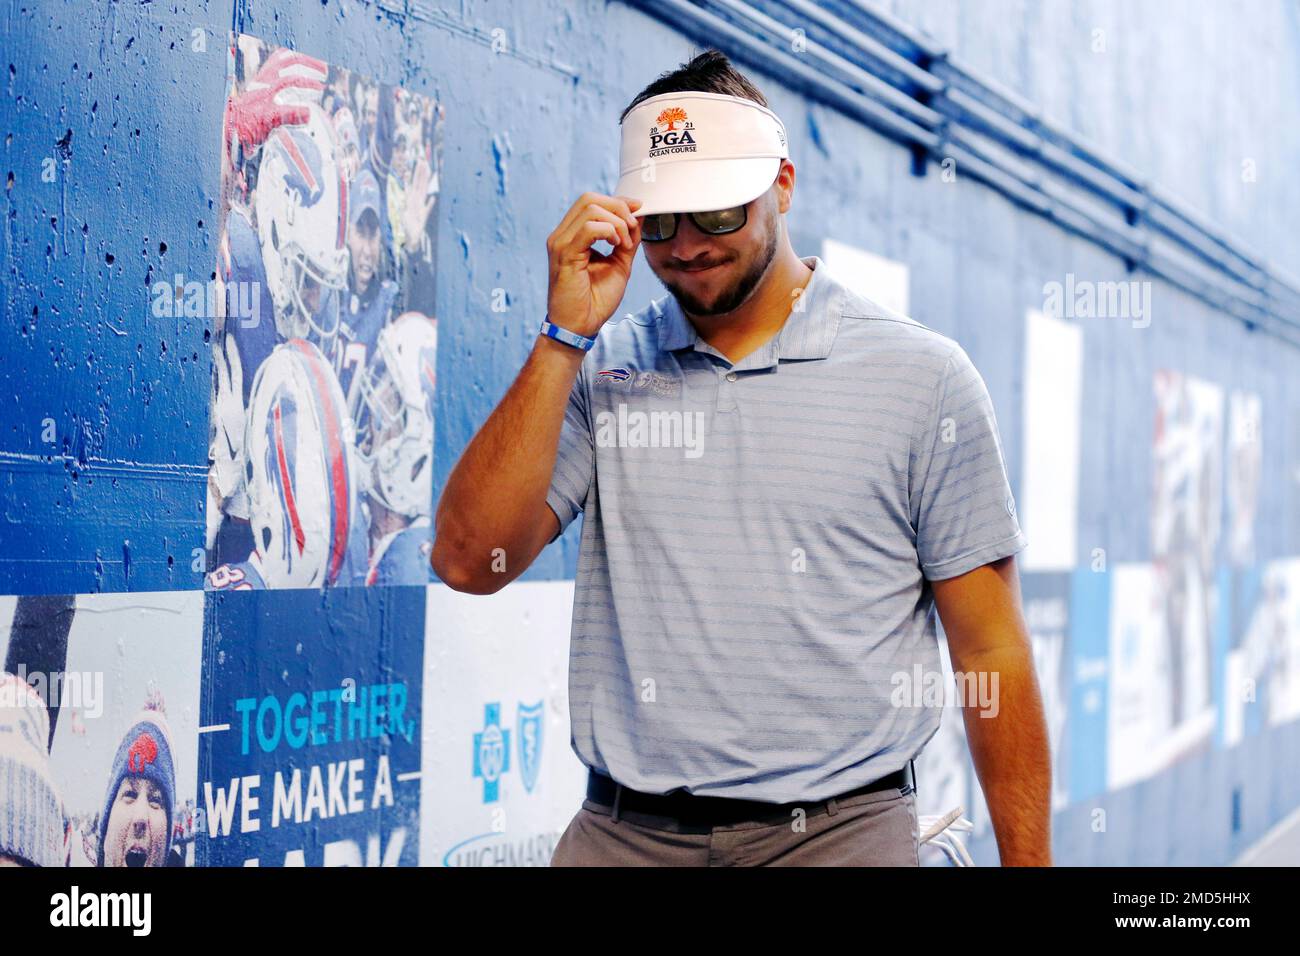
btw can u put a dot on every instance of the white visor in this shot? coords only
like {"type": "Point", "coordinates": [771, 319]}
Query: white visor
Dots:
{"type": "Point", "coordinates": [696, 152]}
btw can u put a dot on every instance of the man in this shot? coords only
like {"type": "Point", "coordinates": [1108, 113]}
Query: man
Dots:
{"type": "Point", "coordinates": [781, 480]}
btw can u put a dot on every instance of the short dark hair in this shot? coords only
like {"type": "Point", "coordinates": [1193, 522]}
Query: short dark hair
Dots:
{"type": "Point", "coordinates": [709, 72]}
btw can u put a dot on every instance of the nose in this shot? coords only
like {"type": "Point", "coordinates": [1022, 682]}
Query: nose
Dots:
{"type": "Point", "coordinates": [688, 243]}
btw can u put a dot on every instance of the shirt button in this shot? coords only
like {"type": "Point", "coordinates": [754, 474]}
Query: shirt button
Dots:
{"type": "Point", "coordinates": [731, 376]}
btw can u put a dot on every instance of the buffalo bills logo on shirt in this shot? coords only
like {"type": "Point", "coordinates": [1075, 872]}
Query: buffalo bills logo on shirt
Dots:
{"type": "Point", "coordinates": [672, 133]}
{"type": "Point", "coordinates": [616, 374]}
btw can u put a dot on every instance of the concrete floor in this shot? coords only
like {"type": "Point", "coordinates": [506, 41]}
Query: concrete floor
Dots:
{"type": "Point", "coordinates": [1279, 847]}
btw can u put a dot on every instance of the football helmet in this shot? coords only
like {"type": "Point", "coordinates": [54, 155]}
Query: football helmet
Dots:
{"type": "Point", "coordinates": [395, 435]}
{"type": "Point", "coordinates": [300, 468]}
{"type": "Point", "coordinates": [301, 207]}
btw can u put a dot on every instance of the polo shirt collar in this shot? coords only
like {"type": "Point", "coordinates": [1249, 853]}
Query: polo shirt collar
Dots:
{"type": "Point", "coordinates": [808, 333]}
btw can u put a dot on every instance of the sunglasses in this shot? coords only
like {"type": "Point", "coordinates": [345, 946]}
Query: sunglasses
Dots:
{"type": "Point", "coordinates": [717, 222]}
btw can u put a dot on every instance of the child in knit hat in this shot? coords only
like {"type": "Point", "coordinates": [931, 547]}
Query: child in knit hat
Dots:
{"type": "Point", "coordinates": [135, 827]}
{"type": "Point", "coordinates": [32, 825]}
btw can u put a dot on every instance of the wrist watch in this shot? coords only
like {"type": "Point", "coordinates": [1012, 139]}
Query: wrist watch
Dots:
{"type": "Point", "coordinates": [571, 339]}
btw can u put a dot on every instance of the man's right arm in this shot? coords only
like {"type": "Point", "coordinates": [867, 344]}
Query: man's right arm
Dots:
{"type": "Point", "coordinates": [493, 519]}
{"type": "Point", "coordinates": [496, 496]}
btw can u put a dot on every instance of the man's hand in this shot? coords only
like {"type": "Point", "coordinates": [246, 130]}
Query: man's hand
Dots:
{"type": "Point", "coordinates": [586, 286]}
{"type": "Point", "coordinates": [988, 641]}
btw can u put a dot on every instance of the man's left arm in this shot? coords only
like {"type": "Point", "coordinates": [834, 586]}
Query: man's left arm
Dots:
{"type": "Point", "coordinates": [988, 643]}
{"type": "Point", "coordinates": [967, 535]}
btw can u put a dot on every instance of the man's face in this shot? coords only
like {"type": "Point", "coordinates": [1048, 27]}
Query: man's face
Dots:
{"type": "Point", "coordinates": [363, 244]}
{"type": "Point", "coordinates": [137, 825]}
{"type": "Point", "coordinates": [714, 275]}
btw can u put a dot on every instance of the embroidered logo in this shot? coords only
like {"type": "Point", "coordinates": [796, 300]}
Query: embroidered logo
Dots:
{"type": "Point", "coordinates": [672, 133]}
{"type": "Point", "coordinates": [658, 383]}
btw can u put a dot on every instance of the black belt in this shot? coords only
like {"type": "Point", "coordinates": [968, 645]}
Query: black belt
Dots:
{"type": "Point", "coordinates": [687, 811]}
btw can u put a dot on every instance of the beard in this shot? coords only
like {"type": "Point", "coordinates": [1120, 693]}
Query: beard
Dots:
{"type": "Point", "coordinates": [741, 289]}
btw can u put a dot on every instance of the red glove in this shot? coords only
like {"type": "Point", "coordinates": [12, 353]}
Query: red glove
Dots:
{"type": "Point", "coordinates": [278, 94]}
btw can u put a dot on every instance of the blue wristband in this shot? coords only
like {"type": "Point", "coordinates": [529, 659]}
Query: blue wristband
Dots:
{"type": "Point", "coordinates": [571, 339]}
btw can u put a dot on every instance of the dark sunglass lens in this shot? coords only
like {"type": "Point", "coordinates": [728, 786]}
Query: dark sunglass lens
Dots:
{"type": "Point", "coordinates": [720, 221]}
{"type": "Point", "coordinates": [657, 227]}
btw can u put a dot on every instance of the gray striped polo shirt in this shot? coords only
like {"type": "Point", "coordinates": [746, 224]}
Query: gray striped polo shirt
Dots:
{"type": "Point", "coordinates": [758, 539]}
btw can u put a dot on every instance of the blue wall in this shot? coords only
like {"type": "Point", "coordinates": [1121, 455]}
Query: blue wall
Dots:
{"type": "Point", "coordinates": [115, 103]}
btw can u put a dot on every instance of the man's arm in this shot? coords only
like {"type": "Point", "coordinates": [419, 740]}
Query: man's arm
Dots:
{"type": "Point", "coordinates": [987, 636]}
{"type": "Point", "coordinates": [496, 496]}
{"type": "Point", "coordinates": [493, 519]}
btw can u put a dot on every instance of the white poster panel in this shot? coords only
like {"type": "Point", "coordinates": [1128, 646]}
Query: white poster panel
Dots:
{"type": "Point", "coordinates": [117, 675]}
{"type": "Point", "coordinates": [1245, 463]}
{"type": "Point", "coordinates": [1281, 685]}
{"type": "Point", "coordinates": [500, 779]}
{"type": "Point", "coordinates": [881, 280]}
{"type": "Point", "coordinates": [1053, 398]}
{"type": "Point", "coordinates": [1148, 729]}
{"type": "Point", "coordinates": [1186, 516]}
{"type": "Point", "coordinates": [1138, 712]}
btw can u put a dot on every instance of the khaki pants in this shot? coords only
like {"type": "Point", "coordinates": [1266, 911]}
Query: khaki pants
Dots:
{"type": "Point", "coordinates": [872, 829]}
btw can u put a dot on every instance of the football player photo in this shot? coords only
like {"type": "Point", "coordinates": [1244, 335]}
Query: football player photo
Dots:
{"type": "Point", "coordinates": [321, 442]}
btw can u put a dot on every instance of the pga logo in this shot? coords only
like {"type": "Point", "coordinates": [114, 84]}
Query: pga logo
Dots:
{"type": "Point", "coordinates": [671, 133]}
{"type": "Point", "coordinates": [680, 138]}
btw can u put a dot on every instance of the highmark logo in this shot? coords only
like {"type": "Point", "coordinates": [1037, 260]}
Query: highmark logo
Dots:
{"type": "Point", "coordinates": [656, 429]}
{"type": "Point", "coordinates": [672, 133]}
{"type": "Point", "coordinates": [491, 753]}
{"type": "Point", "coordinates": [514, 839]}
{"type": "Point", "coordinates": [492, 747]}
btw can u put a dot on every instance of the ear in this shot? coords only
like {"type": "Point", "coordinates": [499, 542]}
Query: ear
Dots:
{"type": "Point", "coordinates": [784, 186]}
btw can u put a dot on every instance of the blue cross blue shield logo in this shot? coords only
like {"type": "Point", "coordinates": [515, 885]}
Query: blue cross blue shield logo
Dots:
{"type": "Point", "coordinates": [528, 736]}
{"type": "Point", "coordinates": [491, 752]}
